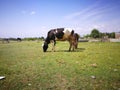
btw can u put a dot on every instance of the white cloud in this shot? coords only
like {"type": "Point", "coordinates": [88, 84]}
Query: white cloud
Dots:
{"type": "Point", "coordinates": [94, 16]}
{"type": "Point", "coordinates": [85, 12]}
{"type": "Point", "coordinates": [23, 12]}
{"type": "Point", "coordinates": [32, 13]}
{"type": "Point", "coordinates": [43, 27]}
{"type": "Point", "coordinates": [91, 12]}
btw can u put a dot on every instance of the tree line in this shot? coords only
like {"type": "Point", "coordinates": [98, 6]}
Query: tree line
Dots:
{"type": "Point", "coordinates": [33, 38]}
{"type": "Point", "coordinates": [23, 39]}
{"type": "Point", "coordinates": [95, 33]}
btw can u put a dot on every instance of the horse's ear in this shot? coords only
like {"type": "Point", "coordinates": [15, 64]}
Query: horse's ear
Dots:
{"type": "Point", "coordinates": [72, 32]}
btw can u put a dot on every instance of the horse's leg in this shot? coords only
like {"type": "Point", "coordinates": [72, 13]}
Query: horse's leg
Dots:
{"type": "Point", "coordinates": [70, 46]}
{"type": "Point", "coordinates": [53, 45]}
{"type": "Point", "coordinates": [73, 46]}
{"type": "Point", "coordinates": [76, 44]}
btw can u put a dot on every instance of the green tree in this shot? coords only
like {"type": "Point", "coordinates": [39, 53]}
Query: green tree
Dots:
{"type": "Point", "coordinates": [95, 33]}
{"type": "Point", "coordinates": [112, 35]}
{"type": "Point", "coordinates": [87, 36]}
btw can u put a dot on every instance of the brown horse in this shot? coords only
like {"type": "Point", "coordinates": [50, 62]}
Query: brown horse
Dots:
{"type": "Point", "coordinates": [60, 34]}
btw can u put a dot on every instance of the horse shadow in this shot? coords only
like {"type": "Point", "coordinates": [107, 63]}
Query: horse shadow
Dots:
{"type": "Point", "coordinates": [79, 49]}
{"type": "Point", "coordinates": [76, 50]}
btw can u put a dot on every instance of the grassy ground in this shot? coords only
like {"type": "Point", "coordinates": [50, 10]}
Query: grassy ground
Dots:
{"type": "Point", "coordinates": [93, 66]}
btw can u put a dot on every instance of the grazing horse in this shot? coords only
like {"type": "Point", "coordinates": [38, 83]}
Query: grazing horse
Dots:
{"type": "Point", "coordinates": [60, 34]}
{"type": "Point", "coordinates": [5, 40]}
{"type": "Point", "coordinates": [19, 39]}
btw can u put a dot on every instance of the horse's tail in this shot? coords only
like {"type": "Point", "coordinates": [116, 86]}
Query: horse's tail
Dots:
{"type": "Point", "coordinates": [77, 36]}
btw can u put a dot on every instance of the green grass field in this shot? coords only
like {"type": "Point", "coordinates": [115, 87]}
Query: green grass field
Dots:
{"type": "Point", "coordinates": [93, 66]}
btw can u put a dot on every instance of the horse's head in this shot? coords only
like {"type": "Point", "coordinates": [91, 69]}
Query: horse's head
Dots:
{"type": "Point", "coordinates": [45, 46]}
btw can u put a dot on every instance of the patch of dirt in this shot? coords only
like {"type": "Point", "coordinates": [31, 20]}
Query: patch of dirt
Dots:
{"type": "Point", "coordinates": [61, 82]}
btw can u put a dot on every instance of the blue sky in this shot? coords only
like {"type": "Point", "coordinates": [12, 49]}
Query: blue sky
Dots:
{"type": "Point", "coordinates": [34, 18]}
